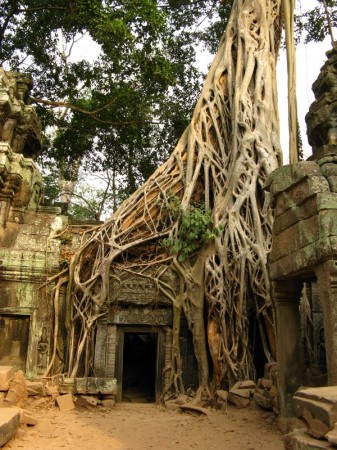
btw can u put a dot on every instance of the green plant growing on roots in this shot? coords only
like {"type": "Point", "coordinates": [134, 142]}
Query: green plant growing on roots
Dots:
{"type": "Point", "coordinates": [196, 227]}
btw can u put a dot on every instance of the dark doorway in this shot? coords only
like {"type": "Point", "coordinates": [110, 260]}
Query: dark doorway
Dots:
{"type": "Point", "coordinates": [139, 367]}
{"type": "Point", "coordinates": [14, 333]}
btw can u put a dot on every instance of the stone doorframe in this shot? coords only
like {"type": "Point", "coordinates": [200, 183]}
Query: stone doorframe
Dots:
{"type": "Point", "coordinates": [290, 352]}
{"type": "Point", "coordinates": [160, 356]}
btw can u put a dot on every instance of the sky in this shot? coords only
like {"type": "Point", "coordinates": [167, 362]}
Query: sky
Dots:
{"type": "Point", "coordinates": [309, 60]}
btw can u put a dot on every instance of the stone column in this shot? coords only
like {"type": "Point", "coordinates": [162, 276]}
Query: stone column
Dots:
{"type": "Point", "coordinates": [327, 282]}
{"type": "Point", "coordinates": [290, 358]}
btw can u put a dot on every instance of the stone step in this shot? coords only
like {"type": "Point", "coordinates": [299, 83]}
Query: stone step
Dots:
{"type": "Point", "coordinates": [301, 440]}
{"type": "Point", "coordinates": [9, 423]}
{"type": "Point", "coordinates": [320, 402]}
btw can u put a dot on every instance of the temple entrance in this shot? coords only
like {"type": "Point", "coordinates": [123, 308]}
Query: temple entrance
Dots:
{"type": "Point", "coordinates": [14, 333]}
{"type": "Point", "coordinates": [140, 352]}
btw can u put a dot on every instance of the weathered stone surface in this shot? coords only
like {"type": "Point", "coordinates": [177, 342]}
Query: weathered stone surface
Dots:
{"type": "Point", "coordinates": [320, 402]}
{"type": "Point", "coordinates": [6, 375]}
{"type": "Point", "coordinates": [238, 400]}
{"type": "Point", "coordinates": [222, 394]}
{"type": "Point", "coordinates": [17, 392]}
{"type": "Point", "coordinates": [331, 436]}
{"type": "Point", "coordinates": [263, 399]}
{"type": "Point", "coordinates": [109, 403]}
{"type": "Point", "coordinates": [246, 384]}
{"type": "Point", "coordinates": [92, 401]}
{"type": "Point", "coordinates": [317, 428]}
{"type": "Point", "coordinates": [65, 402]}
{"type": "Point", "coordinates": [9, 423]}
{"type": "Point", "coordinates": [35, 388]}
{"type": "Point", "coordinates": [245, 393]}
{"type": "Point", "coordinates": [301, 440]}
{"type": "Point", "coordinates": [27, 418]}
{"type": "Point", "coordinates": [96, 386]}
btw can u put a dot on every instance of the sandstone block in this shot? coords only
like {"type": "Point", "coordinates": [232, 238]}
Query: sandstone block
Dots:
{"type": "Point", "coordinates": [320, 402]}
{"type": "Point", "coordinates": [35, 388]}
{"type": "Point", "coordinates": [26, 418]}
{"type": "Point", "coordinates": [95, 386]}
{"type": "Point", "coordinates": [245, 393]}
{"type": "Point", "coordinates": [237, 400]}
{"type": "Point", "coordinates": [9, 423]}
{"type": "Point", "coordinates": [263, 399]}
{"type": "Point", "coordinates": [17, 391]}
{"type": "Point", "coordinates": [109, 403]}
{"type": "Point", "coordinates": [222, 394]}
{"type": "Point", "coordinates": [92, 401]}
{"type": "Point", "coordinates": [301, 440]}
{"type": "Point", "coordinates": [6, 375]}
{"type": "Point", "coordinates": [317, 428]}
{"type": "Point", "coordinates": [65, 402]}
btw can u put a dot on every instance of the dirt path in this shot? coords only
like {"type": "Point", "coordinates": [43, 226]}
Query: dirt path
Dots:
{"type": "Point", "coordinates": [146, 426]}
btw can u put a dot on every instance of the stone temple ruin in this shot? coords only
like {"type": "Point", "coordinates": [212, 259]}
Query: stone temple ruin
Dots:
{"type": "Point", "coordinates": [133, 339]}
{"type": "Point", "coordinates": [304, 254]}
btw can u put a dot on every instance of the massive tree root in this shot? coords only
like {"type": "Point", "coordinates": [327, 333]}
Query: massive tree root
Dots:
{"type": "Point", "coordinates": [222, 161]}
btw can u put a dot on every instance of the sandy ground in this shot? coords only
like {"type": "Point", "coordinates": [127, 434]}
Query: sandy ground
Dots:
{"type": "Point", "coordinates": [131, 426]}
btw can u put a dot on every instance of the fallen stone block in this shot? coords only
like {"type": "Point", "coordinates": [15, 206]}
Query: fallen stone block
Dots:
{"type": "Point", "coordinates": [222, 394]}
{"type": "Point", "coordinates": [246, 384]}
{"type": "Point", "coordinates": [26, 418]}
{"type": "Point", "coordinates": [301, 440]}
{"type": "Point", "coordinates": [65, 402]}
{"type": "Point", "coordinates": [320, 402]}
{"type": "Point", "coordinates": [6, 375]}
{"type": "Point", "coordinates": [109, 403]}
{"type": "Point", "coordinates": [9, 423]}
{"type": "Point", "coordinates": [92, 401]}
{"type": "Point", "coordinates": [17, 391]}
{"type": "Point", "coordinates": [95, 386]}
{"type": "Point", "coordinates": [35, 388]}
{"type": "Point", "coordinates": [238, 400]}
{"type": "Point", "coordinates": [245, 393]}
{"type": "Point", "coordinates": [263, 399]}
{"type": "Point", "coordinates": [316, 427]}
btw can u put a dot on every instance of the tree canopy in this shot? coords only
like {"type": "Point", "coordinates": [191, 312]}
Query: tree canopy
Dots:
{"type": "Point", "coordinates": [124, 106]}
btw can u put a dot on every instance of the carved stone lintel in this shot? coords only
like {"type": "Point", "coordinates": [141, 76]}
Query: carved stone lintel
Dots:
{"type": "Point", "coordinates": [141, 316]}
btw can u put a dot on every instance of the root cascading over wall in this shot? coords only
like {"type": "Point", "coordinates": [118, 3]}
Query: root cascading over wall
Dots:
{"type": "Point", "coordinates": [222, 162]}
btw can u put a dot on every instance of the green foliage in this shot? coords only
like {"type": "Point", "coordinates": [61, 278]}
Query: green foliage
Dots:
{"type": "Point", "coordinates": [315, 22]}
{"type": "Point", "coordinates": [196, 227]}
